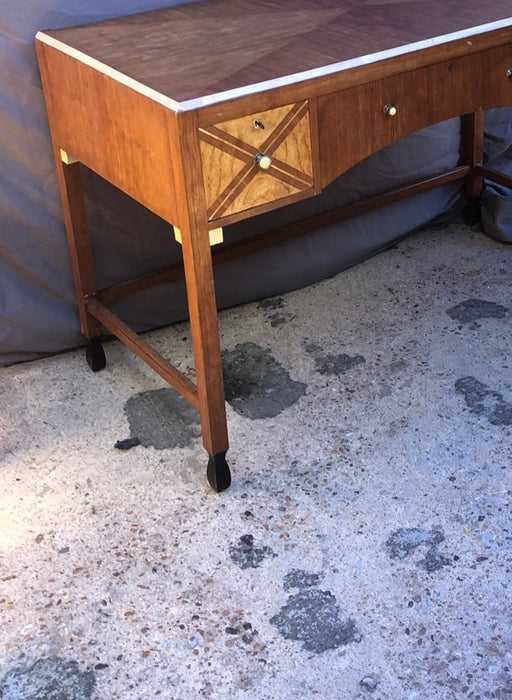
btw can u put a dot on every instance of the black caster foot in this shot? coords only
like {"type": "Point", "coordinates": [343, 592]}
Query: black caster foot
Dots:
{"type": "Point", "coordinates": [95, 355]}
{"type": "Point", "coordinates": [471, 212]}
{"type": "Point", "coordinates": [217, 473]}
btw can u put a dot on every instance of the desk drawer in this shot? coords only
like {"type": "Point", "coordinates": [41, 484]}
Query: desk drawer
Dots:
{"type": "Point", "coordinates": [257, 159]}
{"type": "Point", "coordinates": [358, 121]}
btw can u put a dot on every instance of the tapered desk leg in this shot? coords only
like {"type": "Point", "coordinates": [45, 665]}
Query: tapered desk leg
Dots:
{"type": "Point", "coordinates": [202, 307]}
{"type": "Point", "coordinates": [79, 243]}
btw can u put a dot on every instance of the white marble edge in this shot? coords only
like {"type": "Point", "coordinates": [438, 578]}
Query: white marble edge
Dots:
{"type": "Point", "coordinates": [198, 102]}
{"type": "Point", "coordinates": [116, 75]}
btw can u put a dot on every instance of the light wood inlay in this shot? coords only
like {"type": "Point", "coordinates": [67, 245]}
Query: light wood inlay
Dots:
{"type": "Point", "coordinates": [66, 158]}
{"type": "Point", "coordinates": [232, 179]}
{"type": "Point", "coordinates": [215, 235]}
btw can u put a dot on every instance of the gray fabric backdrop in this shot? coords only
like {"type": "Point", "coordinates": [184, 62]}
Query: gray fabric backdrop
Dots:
{"type": "Point", "coordinates": [37, 309]}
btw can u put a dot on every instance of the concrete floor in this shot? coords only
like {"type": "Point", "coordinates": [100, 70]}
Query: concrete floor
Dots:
{"type": "Point", "coordinates": [364, 547]}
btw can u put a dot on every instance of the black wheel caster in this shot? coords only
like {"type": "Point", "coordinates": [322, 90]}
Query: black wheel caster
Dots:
{"type": "Point", "coordinates": [472, 214]}
{"type": "Point", "coordinates": [217, 473]}
{"type": "Point", "coordinates": [95, 355]}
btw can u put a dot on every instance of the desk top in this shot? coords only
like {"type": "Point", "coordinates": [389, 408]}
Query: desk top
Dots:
{"type": "Point", "coordinates": [213, 50]}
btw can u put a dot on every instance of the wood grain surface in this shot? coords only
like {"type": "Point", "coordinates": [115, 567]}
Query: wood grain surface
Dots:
{"type": "Point", "coordinates": [203, 48]}
{"type": "Point", "coordinates": [228, 150]}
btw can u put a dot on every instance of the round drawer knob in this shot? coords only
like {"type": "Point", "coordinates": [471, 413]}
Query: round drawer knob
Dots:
{"type": "Point", "coordinates": [262, 161]}
{"type": "Point", "coordinates": [509, 72]}
{"type": "Point", "coordinates": [390, 109]}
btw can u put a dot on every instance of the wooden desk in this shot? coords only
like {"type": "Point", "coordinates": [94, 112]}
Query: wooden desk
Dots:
{"type": "Point", "coordinates": [211, 112]}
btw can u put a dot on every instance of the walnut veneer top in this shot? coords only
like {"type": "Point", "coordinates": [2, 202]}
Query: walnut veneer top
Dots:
{"type": "Point", "coordinates": [198, 50]}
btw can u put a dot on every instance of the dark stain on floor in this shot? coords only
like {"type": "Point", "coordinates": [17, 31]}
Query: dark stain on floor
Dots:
{"type": "Point", "coordinates": [48, 679]}
{"type": "Point", "coordinates": [484, 401]}
{"type": "Point", "coordinates": [333, 364]}
{"type": "Point", "coordinates": [433, 560]}
{"type": "Point", "coordinates": [271, 304]}
{"type": "Point", "coordinates": [300, 579]}
{"type": "Point", "coordinates": [276, 319]}
{"type": "Point", "coordinates": [474, 309]}
{"type": "Point", "coordinates": [161, 419]}
{"type": "Point", "coordinates": [127, 443]}
{"type": "Point", "coordinates": [256, 385]}
{"type": "Point", "coordinates": [246, 555]}
{"type": "Point", "coordinates": [405, 541]}
{"type": "Point", "coordinates": [313, 617]}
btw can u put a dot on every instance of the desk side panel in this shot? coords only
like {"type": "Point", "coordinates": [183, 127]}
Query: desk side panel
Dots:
{"type": "Point", "coordinates": [121, 134]}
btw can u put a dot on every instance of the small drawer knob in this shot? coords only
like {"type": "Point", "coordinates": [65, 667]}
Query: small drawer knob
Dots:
{"type": "Point", "coordinates": [509, 72]}
{"type": "Point", "coordinates": [262, 161]}
{"type": "Point", "coordinates": [390, 109]}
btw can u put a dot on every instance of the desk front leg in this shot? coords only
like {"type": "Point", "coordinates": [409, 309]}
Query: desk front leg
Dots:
{"type": "Point", "coordinates": [202, 307]}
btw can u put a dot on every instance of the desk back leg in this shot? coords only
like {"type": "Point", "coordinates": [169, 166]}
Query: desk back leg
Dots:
{"type": "Point", "coordinates": [79, 243]}
{"type": "Point", "coordinates": [473, 153]}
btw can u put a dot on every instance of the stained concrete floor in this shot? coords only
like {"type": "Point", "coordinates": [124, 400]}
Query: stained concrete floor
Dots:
{"type": "Point", "coordinates": [364, 547]}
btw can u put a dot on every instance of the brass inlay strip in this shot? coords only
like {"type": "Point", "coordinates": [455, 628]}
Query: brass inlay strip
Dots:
{"type": "Point", "coordinates": [66, 158]}
{"type": "Point", "coordinates": [215, 235]}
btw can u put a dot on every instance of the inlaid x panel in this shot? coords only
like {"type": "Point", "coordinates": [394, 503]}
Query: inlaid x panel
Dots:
{"type": "Point", "coordinates": [256, 159]}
